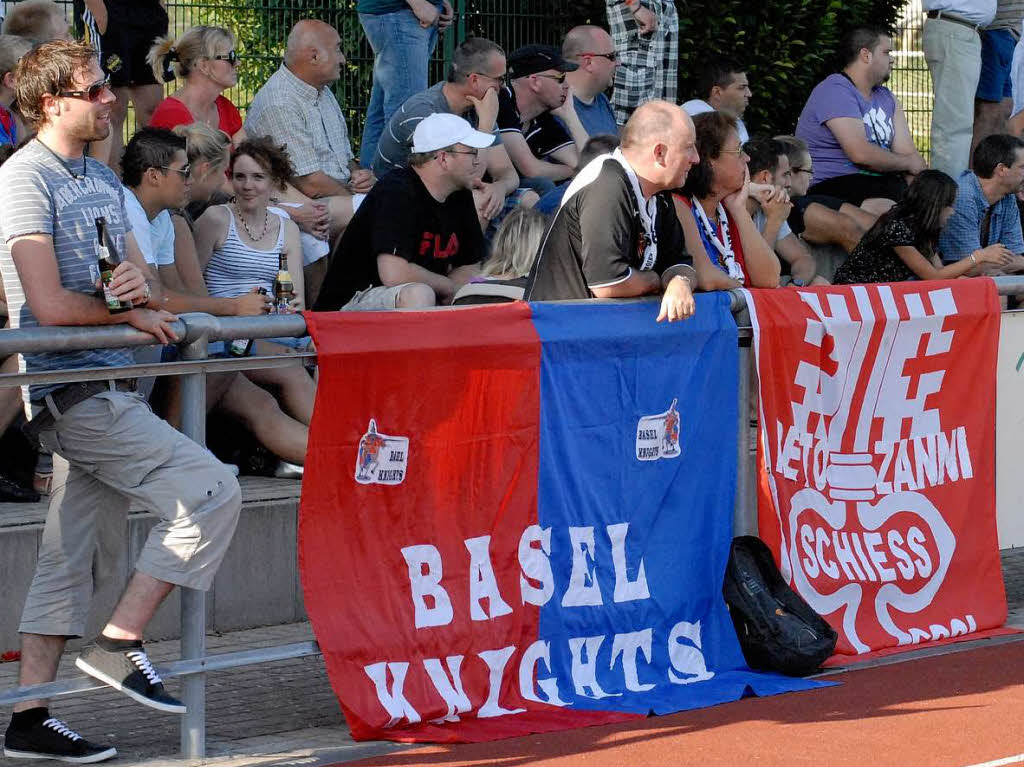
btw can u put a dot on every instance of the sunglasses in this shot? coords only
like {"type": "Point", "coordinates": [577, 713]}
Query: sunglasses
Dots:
{"type": "Point", "coordinates": [92, 93]}
{"type": "Point", "coordinates": [184, 170]}
{"type": "Point", "coordinates": [559, 78]}
{"type": "Point", "coordinates": [490, 77]}
{"type": "Point", "coordinates": [231, 57]}
{"type": "Point", "coordinates": [471, 152]}
{"type": "Point", "coordinates": [808, 171]}
{"type": "Point", "coordinates": [612, 57]}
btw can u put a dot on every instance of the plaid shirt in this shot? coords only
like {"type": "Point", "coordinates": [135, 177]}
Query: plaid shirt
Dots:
{"type": "Point", "coordinates": [962, 234]}
{"type": "Point", "coordinates": [648, 66]}
{"type": "Point", "coordinates": [307, 121]}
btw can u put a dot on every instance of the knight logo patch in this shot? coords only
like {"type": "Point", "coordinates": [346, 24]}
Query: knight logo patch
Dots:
{"type": "Point", "coordinates": [657, 436]}
{"type": "Point", "coordinates": [382, 459]}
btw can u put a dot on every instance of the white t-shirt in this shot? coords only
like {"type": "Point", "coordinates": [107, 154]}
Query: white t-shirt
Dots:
{"type": "Point", "coordinates": [1017, 77]}
{"type": "Point", "coordinates": [975, 11]}
{"type": "Point", "coordinates": [155, 238]}
{"type": "Point", "coordinates": [694, 107]}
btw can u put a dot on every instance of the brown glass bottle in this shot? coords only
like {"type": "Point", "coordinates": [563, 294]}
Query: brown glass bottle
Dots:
{"type": "Point", "coordinates": [283, 287]}
{"type": "Point", "coordinates": [107, 257]}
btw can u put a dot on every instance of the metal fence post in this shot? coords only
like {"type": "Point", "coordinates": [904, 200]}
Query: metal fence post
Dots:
{"type": "Point", "coordinates": [744, 504]}
{"type": "Point", "coordinates": [193, 603]}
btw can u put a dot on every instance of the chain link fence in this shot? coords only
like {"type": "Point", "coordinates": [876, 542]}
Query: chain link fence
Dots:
{"type": "Point", "coordinates": [911, 81]}
{"type": "Point", "coordinates": [262, 26]}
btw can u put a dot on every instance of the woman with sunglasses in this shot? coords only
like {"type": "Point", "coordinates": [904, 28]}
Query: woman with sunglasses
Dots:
{"type": "Point", "coordinates": [728, 251]}
{"type": "Point", "coordinates": [205, 58]}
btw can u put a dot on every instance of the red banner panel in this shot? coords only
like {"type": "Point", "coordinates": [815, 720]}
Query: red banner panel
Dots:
{"type": "Point", "coordinates": [876, 456]}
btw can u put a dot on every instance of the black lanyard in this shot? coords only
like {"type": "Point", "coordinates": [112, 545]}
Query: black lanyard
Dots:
{"type": "Point", "coordinates": [64, 164]}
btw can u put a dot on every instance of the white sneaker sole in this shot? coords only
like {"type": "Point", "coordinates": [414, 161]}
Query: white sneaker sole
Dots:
{"type": "Point", "coordinates": [102, 756]}
{"type": "Point", "coordinates": [97, 674]}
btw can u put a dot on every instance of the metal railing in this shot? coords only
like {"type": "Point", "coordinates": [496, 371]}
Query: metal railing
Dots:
{"type": "Point", "coordinates": [195, 331]}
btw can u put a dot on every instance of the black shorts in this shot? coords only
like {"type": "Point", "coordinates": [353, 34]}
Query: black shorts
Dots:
{"type": "Point", "coordinates": [857, 187]}
{"type": "Point", "coordinates": [131, 30]}
{"type": "Point", "coordinates": [800, 205]}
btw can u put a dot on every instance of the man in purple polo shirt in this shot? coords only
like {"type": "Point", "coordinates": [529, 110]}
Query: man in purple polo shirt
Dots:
{"type": "Point", "coordinates": [856, 131]}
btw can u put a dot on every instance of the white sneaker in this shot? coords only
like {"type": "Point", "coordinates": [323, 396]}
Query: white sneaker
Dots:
{"type": "Point", "coordinates": [287, 470]}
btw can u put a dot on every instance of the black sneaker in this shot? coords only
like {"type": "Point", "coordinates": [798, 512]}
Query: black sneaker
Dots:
{"type": "Point", "coordinates": [52, 739]}
{"type": "Point", "coordinates": [12, 492]}
{"type": "Point", "coordinates": [130, 672]}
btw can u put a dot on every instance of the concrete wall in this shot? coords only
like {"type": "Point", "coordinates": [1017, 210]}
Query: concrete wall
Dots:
{"type": "Point", "coordinates": [258, 582]}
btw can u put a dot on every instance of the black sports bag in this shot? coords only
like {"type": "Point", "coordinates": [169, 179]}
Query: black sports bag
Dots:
{"type": "Point", "coordinates": [777, 629]}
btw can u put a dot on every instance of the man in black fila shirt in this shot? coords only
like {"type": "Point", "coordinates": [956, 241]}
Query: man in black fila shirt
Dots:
{"type": "Point", "coordinates": [416, 238]}
{"type": "Point", "coordinates": [616, 234]}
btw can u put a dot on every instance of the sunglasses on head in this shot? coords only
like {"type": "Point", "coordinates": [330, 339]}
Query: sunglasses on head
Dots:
{"type": "Point", "coordinates": [92, 93]}
{"type": "Point", "coordinates": [231, 57]}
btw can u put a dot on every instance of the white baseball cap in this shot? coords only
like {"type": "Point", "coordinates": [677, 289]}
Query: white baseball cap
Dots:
{"type": "Point", "coordinates": [442, 129]}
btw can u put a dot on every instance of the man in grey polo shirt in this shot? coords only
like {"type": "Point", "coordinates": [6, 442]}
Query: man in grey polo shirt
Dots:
{"type": "Point", "coordinates": [471, 92]}
{"type": "Point", "coordinates": [109, 449]}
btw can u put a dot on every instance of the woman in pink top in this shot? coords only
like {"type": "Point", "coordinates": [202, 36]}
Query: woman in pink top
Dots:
{"type": "Point", "coordinates": [205, 58]}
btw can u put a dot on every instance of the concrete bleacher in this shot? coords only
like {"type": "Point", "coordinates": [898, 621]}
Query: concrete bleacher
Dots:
{"type": "Point", "coordinates": [257, 585]}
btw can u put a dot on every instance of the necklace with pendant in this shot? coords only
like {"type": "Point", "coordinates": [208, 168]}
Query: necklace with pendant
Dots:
{"type": "Point", "coordinates": [245, 226]}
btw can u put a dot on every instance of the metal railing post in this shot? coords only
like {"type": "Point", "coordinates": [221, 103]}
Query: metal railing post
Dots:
{"type": "Point", "coordinates": [193, 603]}
{"type": "Point", "coordinates": [743, 507]}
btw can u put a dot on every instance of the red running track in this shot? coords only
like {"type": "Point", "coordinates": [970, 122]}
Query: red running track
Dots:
{"type": "Point", "coordinates": [964, 708]}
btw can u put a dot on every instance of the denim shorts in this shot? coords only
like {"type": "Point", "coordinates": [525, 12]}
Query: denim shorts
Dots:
{"type": "Point", "coordinates": [996, 57]}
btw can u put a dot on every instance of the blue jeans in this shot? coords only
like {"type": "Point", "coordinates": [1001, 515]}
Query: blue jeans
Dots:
{"type": "Point", "coordinates": [402, 50]}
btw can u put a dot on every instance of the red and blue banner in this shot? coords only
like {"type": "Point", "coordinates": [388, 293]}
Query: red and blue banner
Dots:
{"type": "Point", "coordinates": [877, 456]}
{"type": "Point", "coordinates": [516, 518]}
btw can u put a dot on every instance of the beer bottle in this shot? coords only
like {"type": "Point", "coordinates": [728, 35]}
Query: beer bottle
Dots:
{"type": "Point", "coordinates": [283, 288]}
{"type": "Point", "coordinates": [106, 255]}
{"type": "Point", "coordinates": [241, 347]}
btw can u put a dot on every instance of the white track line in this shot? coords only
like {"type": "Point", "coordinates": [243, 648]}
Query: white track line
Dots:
{"type": "Point", "coordinates": [1018, 759]}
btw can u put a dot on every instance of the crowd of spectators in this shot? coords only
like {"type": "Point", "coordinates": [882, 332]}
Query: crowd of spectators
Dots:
{"type": "Point", "coordinates": [540, 173]}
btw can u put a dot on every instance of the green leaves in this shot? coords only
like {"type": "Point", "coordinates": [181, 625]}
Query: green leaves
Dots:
{"type": "Point", "coordinates": [786, 45]}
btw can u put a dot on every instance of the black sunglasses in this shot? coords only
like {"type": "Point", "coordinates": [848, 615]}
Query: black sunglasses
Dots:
{"type": "Point", "coordinates": [231, 57]}
{"type": "Point", "coordinates": [610, 56]}
{"type": "Point", "coordinates": [92, 93]}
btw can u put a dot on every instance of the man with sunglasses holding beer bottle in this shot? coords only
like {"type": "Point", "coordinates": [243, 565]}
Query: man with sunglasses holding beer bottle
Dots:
{"type": "Point", "coordinates": [109, 449]}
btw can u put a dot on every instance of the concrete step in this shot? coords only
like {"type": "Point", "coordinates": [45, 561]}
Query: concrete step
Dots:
{"type": "Point", "coordinates": [257, 585]}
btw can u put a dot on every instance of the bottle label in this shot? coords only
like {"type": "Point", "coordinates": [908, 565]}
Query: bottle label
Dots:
{"type": "Point", "coordinates": [239, 347]}
{"type": "Point", "coordinates": [112, 301]}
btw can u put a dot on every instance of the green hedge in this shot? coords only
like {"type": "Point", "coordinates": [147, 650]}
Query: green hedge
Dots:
{"type": "Point", "coordinates": [787, 45]}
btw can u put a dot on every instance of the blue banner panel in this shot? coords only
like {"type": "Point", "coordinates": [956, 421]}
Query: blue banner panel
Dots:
{"type": "Point", "coordinates": [636, 482]}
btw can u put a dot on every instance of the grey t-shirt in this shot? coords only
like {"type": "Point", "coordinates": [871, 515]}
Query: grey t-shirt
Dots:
{"type": "Point", "coordinates": [761, 221]}
{"type": "Point", "coordinates": [396, 140]}
{"type": "Point", "coordinates": [41, 196]}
